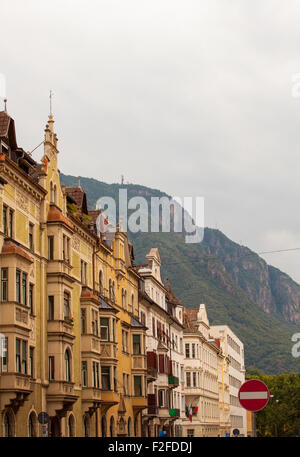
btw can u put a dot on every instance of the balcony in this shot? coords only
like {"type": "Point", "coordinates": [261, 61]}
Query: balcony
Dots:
{"type": "Point", "coordinates": [109, 398]}
{"type": "Point", "coordinates": [90, 344]}
{"type": "Point", "coordinates": [14, 314]}
{"type": "Point", "coordinates": [60, 397]}
{"type": "Point", "coordinates": [14, 389]}
{"type": "Point", "coordinates": [151, 374]}
{"type": "Point", "coordinates": [91, 399]}
{"type": "Point", "coordinates": [139, 362]}
{"type": "Point", "coordinates": [174, 412]}
{"type": "Point", "coordinates": [173, 381]}
{"type": "Point", "coordinates": [138, 404]}
{"type": "Point", "coordinates": [61, 328]}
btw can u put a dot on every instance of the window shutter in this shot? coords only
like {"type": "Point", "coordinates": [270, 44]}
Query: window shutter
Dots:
{"type": "Point", "coordinates": [170, 367]}
{"type": "Point", "coordinates": [161, 363]}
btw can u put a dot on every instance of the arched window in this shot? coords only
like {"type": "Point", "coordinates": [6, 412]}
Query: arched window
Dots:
{"type": "Point", "coordinates": [68, 366]}
{"type": "Point", "coordinates": [32, 425]}
{"type": "Point", "coordinates": [51, 192]}
{"type": "Point", "coordinates": [112, 426]}
{"type": "Point", "coordinates": [129, 426]}
{"type": "Point", "coordinates": [71, 425]}
{"type": "Point", "coordinates": [103, 426]}
{"type": "Point", "coordinates": [86, 426]}
{"type": "Point", "coordinates": [100, 282]}
{"type": "Point", "coordinates": [7, 425]}
{"type": "Point", "coordinates": [136, 426]}
{"type": "Point", "coordinates": [54, 193]}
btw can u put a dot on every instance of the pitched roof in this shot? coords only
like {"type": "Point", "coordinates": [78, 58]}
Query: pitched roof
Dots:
{"type": "Point", "coordinates": [55, 215]}
{"type": "Point", "coordinates": [7, 128]}
{"type": "Point", "coordinates": [77, 194]}
{"type": "Point", "coordinates": [171, 296]}
{"type": "Point", "coordinates": [135, 323]}
{"type": "Point", "coordinates": [104, 305]}
{"type": "Point", "coordinates": [4, 123]}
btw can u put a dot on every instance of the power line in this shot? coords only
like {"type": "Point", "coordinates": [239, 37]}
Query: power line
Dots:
{"type": "Point", "coordinates": [240, 257]}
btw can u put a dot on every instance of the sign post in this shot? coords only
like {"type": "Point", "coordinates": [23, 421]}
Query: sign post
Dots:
{"type": "Point", "coordinates": [254, 395]}
{"type": "Point", "coordinates": [43, 419]}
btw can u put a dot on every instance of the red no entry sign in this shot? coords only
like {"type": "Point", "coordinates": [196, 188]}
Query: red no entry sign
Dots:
{"type": "Point", "coordinates": [254, 395]}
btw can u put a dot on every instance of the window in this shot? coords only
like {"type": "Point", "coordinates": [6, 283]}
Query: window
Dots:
{"type": "Point", "coordinates": [51, 368]}
{"type": "Point", "coordinates": [105, 378]}
{"type": "Point", "coordinates": [31, 244]}
{"type": "Point", "coordinates": [4, 353]}
{"type": "Point", "coordinates": [190, 432]}
{"type": "Point", "coordinates": [18, 286]}
{"type": "Point", "coordinates": [31, 362]}
{"type": "Point", "coordinates": [137, 382]}
{"type": "Point", "coordinates": [83, 272]}
{"type": "Point", "coordinates": [100, 282]}
{"type": "Point", "coordinates": [50, 247]}
{"type": "Point", "coordinates": [67, 366]}
{"type": "Point", "coordinates": [94, 322]}
{"type": "Point", "coordinates": [161, 394]}
{"type": "Point", "coordinates": [4, 284]}
{"type": "Point", "coordinates": [84, 373]}
{"type": "Point", "coordinates": [104, 328]}
{"type": "Point", "coordinates": [24, 357]}
{"type": "Point", "coordinates": [83, 320]}
{"type": "Point", "coordinates": [193, 351]}
{"type": "Point", "coordinates": [21, 358]}
{"type": "Point", "coordinates": [96, 375]}
{"type": "Point", "coordinates": [111, 290]}
{"type": "Point", "coordinates": [143, 318]}
{"type": "Point", "coordinates": [18, 355]}
{"type": "Point", "coordinates": [124, 341]}
{"type": "Point", "coordinates": [51, 307]}
{"type": "Point", "coordinates": [153, 326]}
{"type": "Point", "coordinates": [31, 425]}
{"type": "Point", "coordinates": [4, 218]}
{"type": "Point", "coordinates": [188, 379]}
{"type": "Point", "coordinates": [115, 380]}
{"type": "Point", "coordinates": [24, 289]}
{"type": "Point", "coordinates": [66, 249]}
{"type": "Point", "coordinates": [187, 351]}
{"type": "Point", "coordinates": [194, 379]}
{"type": "Point", "coordinates": [31, 299]}
{"type": "Point", "coordinates": [54, 193]}
{"type": "Point", "coordinates": [67, 313]}
{"type": "Point", "coordinates": [136, 344]}
{"type": "Point", "coordinates": [129, 426]}
{"type": "Point", "coordinates": [10, 223]}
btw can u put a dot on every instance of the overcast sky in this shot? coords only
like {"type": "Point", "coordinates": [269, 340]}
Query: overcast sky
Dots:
{"type": "Point", "coordinates": [192, 97]}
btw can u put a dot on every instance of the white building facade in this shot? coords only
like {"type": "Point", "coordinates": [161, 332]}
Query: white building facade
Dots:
{"type": "Point", "coordinates": [162, 314]}
{"type": "Point", "coordinates": [233, 349]}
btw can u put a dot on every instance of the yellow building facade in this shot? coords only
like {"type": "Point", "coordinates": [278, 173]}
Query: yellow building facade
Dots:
{"type": "Point", "coordinates": [72, 344]}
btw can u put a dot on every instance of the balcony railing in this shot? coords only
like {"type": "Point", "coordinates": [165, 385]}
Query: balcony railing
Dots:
{"type": "Point", "coordinates": [173, 381]}
{"type": "Point", "coordinates": [174, 412]}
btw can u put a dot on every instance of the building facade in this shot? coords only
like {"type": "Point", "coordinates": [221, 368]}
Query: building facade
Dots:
{"type": "Point", "coordinates": [233, 349]}
{"type": "Point", "coordinates": [163, 315]}
{"type": "Point", "coordinates": [203, 365]}
{"type": "Point", "coordinates": [72, 343]}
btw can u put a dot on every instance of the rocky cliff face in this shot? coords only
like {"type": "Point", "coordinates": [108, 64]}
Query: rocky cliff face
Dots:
{"type": "Point", "coordinates": [275, 292]}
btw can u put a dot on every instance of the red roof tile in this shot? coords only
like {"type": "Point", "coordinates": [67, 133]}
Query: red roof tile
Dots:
{"type": "Point", "coordinates": [11, 248]}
